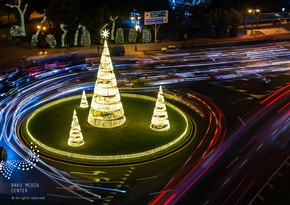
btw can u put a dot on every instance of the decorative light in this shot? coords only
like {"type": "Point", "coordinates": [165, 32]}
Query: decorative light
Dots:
{"type": "Point", "coordinates": [106, 106]}
{"type": "Point", "coordinates": [151, 152]}
{"type": "Point", "coordinates": [160, 120]}
{"type": "Point", "coordinates": [105, 33]}
{"type": "Point", "coordinates": [84, 101]}
{"type": "Point", "coordinates": [75, 134]}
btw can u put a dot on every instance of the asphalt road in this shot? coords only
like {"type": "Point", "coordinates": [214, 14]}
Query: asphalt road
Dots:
{"type": "Point", "coordinates": [235, 97]}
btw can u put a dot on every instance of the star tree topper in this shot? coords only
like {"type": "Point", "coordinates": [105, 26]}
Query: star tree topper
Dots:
{"type": "Point", "coordinates": [105, 34]}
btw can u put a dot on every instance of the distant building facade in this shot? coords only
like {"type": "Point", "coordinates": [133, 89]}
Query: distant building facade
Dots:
{"type": "Point", "coordinates": [186, 5]}
{"type": "Point", "coordinates": [178, 3]}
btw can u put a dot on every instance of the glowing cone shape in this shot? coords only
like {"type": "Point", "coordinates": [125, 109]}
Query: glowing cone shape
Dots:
{"type": "Point", "coordinates": [106, 107]}
{"type": "Point", "coordinates": [84, 102]}
{"type": "Point", "coordinates": [159, 119]}
{"type": "Point", "coordinates": [75, 134]}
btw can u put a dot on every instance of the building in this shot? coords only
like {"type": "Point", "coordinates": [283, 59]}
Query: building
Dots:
{"type": "Point", "coordinates": [187, 3]}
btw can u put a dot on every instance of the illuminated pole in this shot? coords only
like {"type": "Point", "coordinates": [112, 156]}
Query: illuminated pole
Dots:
{"type": "Point", "coordinates": [63, 36]}
{"type": "Point", "coordinates": [113, 26]}
{"type": "Point", "coordinates": [21, 14]}
{"type": "Point", "coordinates": [77, 34]}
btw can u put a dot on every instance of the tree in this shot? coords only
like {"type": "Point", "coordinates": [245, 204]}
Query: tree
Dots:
{"type": "Point", "coordinates": [62, 16]}
{"type": "Point", "coordinates": [223, 22]}
{"type": "Point", "coordinates": [198, 26]}
{"type": "Point", "coordinates": [85, 37]}
{"type": "Point", "coordinates": [243, 5]}
{"type": "Point", "coordinates": [21, 9]}
{"type": "Point", "coordinates": [50, 39]}
{"type": "Point", "coordinates": [63, 36]}
{"type": "Point", "coordinates": [119, 36]}
{"type": "Point", "coordinates": [132, 35]}
{"type": "Point", "coordinates": [34, 38]}
{"type": "Point", "coordinates": [146, 35]}
{"type": "Point", "coordinates": [113, 27]}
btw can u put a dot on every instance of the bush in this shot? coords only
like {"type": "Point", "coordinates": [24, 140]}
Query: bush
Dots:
{"type": "Point", "coordinates": [132, 36]}
{"type": "Point", "coordinates": [119, 36]}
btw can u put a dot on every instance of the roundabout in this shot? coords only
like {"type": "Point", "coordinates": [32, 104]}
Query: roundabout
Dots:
{"type": "Point", "coordinates": [49, 125]}
{"type": "Point", "coordinates": [145, 131]}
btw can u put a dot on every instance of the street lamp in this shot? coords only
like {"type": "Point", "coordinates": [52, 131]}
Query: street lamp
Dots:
{"type": "Point", "coordinates": [42, 42]}
{"type": "Point", "coordinates": [283, 10]}
{"type": "Point", "coordinates": [136, 17]}
{"type": "Point", "coordinates": [254, 12]}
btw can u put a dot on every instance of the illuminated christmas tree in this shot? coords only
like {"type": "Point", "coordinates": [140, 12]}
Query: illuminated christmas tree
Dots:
{"type": "Point", "coordinates": [146, 36]}
{"type": "Point", "coordinates": [119, 36]}
{"type": "Point", "coordinates": [84, 101]}
{"type": "Point", "coordinates": [159, 119]}
{"type": "Point", "coordinates": [106, 107]}
{"type": "Point", "coordinates": [132, 35]}
{"type": "Point", "coordinates": [75, 134]}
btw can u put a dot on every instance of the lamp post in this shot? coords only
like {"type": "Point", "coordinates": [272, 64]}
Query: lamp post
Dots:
{"type": "Point", "coordinates": [283, 10]}
{"type": "Point", "coordinates": [253, 12]}
{"type": "Point", "coordinates": [42, 42]}
{"type": "Point", "coordinates": [135, 17]}
{"type": "Point", "coordinates": [258, 11]}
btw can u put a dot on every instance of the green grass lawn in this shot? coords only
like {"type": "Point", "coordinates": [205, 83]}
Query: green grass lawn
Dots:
{"type": "Point", "coordinates": [51, 127]}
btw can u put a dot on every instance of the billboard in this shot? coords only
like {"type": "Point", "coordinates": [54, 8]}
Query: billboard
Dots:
{"type": "Point", "coordinates": [155, 17]}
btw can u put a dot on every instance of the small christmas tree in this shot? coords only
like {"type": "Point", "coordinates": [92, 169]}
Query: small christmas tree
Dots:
{"type": "Point", "coordinates": [50, 39]}
{"type": "Point", "coordinates": [132, 35]}
{"type": "Point", "coordinates": [85, 37]}
{"type": "Point", "coordinates": [75, 134]}
{"type": "Point", "coordinates": [146, 36]}
{"type": "Point", "coordinates": [159, 121]}
{"type": "Point", "coordinates": [119, 36]}
{"type": "Point", "coordinates": [84, 101]}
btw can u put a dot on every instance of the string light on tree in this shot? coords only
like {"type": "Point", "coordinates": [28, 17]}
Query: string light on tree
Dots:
{"type": "Point", "coordinates": [159, 121]}
{"type": "Point", "coordinates": [75, 134]}
{"type": "Point", "coordinates": [84, 101]}
{"type": "Point", "coordinates": [106, 107]}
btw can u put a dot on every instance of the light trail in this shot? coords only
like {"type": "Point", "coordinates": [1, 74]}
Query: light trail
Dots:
{"type": "Point", "coordinates": [24, 102]}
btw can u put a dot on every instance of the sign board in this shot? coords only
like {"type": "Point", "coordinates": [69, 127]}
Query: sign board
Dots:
{"type": "Point", "coordinates": [156, 17]}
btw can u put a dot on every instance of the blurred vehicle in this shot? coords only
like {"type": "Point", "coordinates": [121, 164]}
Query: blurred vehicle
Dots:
{"type": "Point", "coordinates": [4, 89]}
{"type": "Point", "coordinates": [117, 51]}
{"type": "Point", "coordinates": [48, 61]}
{"type": "Point", "coordinates": [169, 49]}
{"type": "Point", "coordinates": [46, 73]}
{"type": "Point", "coordinates": [21, 81]}
{"type": "Point", "coordinates": [14, 76]}
{"type": "Point", "coordinates": [3, 75]}
{"type": "Point", "coordinates": [78, 65]}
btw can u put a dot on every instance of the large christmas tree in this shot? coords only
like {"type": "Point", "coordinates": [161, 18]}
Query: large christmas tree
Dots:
{"type": "Point", "coordinates": [106, 107]}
